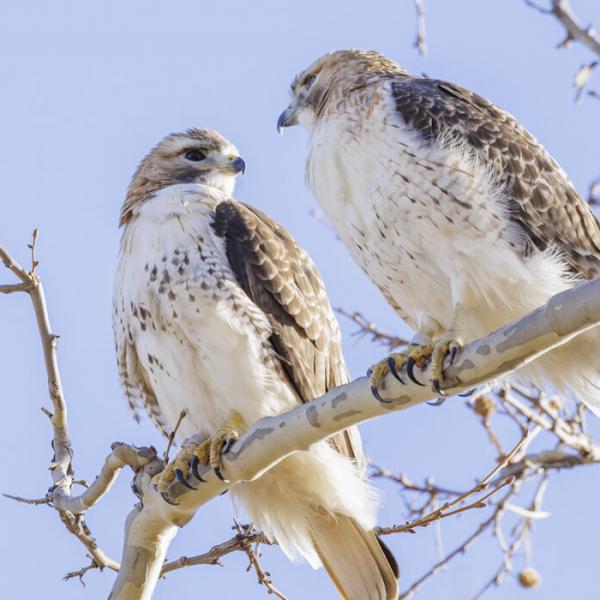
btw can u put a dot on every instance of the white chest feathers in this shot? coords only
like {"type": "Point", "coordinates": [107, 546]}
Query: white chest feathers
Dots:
{"type": "Point", "coordinates": [427, 223]}
{"type": "Point", "coordinates": [201, 343]}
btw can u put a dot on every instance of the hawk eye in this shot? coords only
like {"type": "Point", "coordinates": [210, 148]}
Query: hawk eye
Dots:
{"type": "Point", "coordinates": [309, 80]}
{"type": "Point", "coordinates": [195, 155]}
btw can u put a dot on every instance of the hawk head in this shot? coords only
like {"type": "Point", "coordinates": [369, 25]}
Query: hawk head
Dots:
{"type": "Point", "coordinates": [329, 80]}
{"type": "Point", "coordinates": [193, 156]}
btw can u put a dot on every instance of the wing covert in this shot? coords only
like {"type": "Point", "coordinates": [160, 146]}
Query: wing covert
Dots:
{"type": "Point", "coordinates": [281, 279]}
{"type": "Point", "coordinates": [542, 199]}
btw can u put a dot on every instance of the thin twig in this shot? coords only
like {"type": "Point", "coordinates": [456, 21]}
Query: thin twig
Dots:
{"type": "Point", "coordinates": [35, 501]}
{"type": "Point", "coordinates": [447, 509]}
{"type": "Point", "coordinates": [594, 191]}
{"type": "Point", "coordinates": [521, 532]}
{"type": "Point", "coordinates": [77, 526]}
{"type": "Point", "coordinates": [81, 572]}
{"type": "Point", "coordinates": [172, 435]}
{"type": "Point", "coordinates": [214, 555]}
{"type": "Point", "coordinates": [421, 40]}
{"type": "Point", "coordinates": [32, 247]}
{"type": "Point", "coordinates": [429, 488]}
{"type": "Point", "coordinates": [15, 287]}
{"type": "Point", "coordinates": [461, 549]}
{"type": "Point", "coordinates": [575, 31]}
{"type": "Point", "coordinates": [582, 78]}
{"type": "Point", "coordinates": [264, 577]}
{"type": "Point", "coordinates": [368, 328]}
{"type": "Point", "coordinates": [61, 464]}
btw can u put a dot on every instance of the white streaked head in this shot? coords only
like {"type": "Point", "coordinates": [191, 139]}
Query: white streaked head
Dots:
{"type": "Point", "coordinates": [194, 156]}
{"type": "Point", "coordinates": [331, 79]}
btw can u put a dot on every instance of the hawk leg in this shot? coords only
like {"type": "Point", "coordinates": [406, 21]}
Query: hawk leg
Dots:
{"type": "Point", "coordinates": [419, 355]}
{"type": "Point", "coordinates": [207, 452]}
{"type": "Point", "coordinates": [448, 345]}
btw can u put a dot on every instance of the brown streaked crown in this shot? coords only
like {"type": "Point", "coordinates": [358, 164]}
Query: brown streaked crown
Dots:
{"type": "Point", "coordinates": [162, 166]}
{"type": "Point", "coordinates": [339, 73]}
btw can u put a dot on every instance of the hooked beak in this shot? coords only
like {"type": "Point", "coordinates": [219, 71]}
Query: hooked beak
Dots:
{"type": "Point", "coordinates": [286, 119]}
{"type": "Point", "coordinates": [235, 164]}
{"type": "Point", "coordinates": [238, 165]}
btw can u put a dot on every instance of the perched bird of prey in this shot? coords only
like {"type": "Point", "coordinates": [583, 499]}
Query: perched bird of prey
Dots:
{"type": "Point", "coordinates": [219, 312]}
{"type": "Point", "coordinates": [454, 210]}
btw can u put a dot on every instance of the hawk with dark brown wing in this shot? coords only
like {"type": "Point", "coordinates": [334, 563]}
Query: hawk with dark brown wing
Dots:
{"type": "Point", "coordinates": [454, 210]}
{"type": "Point", "coordinates": [219, 312]}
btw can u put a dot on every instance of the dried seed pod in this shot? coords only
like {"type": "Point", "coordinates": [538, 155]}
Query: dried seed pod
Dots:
{"type": "Point", "coordinates": [529, 578]}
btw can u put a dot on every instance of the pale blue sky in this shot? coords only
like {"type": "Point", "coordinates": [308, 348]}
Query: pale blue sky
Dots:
{"type": "Point", "coordinates": [87, 88]}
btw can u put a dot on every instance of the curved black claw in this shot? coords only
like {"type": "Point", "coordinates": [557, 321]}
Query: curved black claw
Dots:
{"type": "Point", "coordinates": [410, 365]}
{"type": "Point", "coordinates": [378, 397]}
{"type": "Point", "coordinates": [227, 447]}
{"type": "Point", "coordinates": [218, 473]}
{"type": "Point", "coordinates": [194, 468]}
{"type": "Point", "coordinates": [181, 478]}
{"type": "Point", "coordinates": [437, 402]}
{"type": "Point", "coordinates": [467, 394]}
{"type": "Point", "coordinates": [392, 367]}
{"type": "Point", "coordinates": [435, 384]}
{"type": "Point", "coordinates": [165, 497]}
{"type": "Point", "coordinates": [168, 500]}
{"type": "Point", "coordinates": [453, 352]}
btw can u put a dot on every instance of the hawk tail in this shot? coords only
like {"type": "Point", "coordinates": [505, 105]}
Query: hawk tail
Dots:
{"type": "Point", "coordinates": [358, 562]}
{"type": "Point", "coordinates": [572, 368]}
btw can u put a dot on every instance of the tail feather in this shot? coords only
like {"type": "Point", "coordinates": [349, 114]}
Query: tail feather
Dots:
{"type": "Point", "coordinates": [571, 368]}
{"type": "Point", "coordinates": [359, 564]}
{"type": "Point", "coordinates": [390, 558]}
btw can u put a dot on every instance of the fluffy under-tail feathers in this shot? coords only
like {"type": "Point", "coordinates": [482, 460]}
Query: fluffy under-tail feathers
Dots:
{"type": "Point", "coordinates": [359, 564]}
{"type": "Point", "coordinates": [318, 506]}
{"type": "Point", "coordinates": [571, 368]}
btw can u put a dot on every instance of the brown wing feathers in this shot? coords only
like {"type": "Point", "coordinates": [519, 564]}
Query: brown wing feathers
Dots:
{"type": "Point", "coordinates": [282, 281]}
{"type": "Point", "coordinates": [542, 200]}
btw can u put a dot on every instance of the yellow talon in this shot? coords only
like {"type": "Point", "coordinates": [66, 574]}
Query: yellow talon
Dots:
{"type": "Point", "coordinates": [421, 354]}
{"type": "Point", "coordinates": [448, 345]}
{"type": "Point", "coordinates": [223, 438]}
{"type": "Point", "coordinates": [392, 364]}
{"type": "Point", "coordinates": [378, 373]}
{"type": "Point", "coordinates": [207, 452]}
{"type": "Point", "coordinates": [415, 356]}
{"type": "Point", "coordinates": [181, 463]}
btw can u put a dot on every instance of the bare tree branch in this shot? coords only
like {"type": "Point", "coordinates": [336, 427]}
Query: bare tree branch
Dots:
{"type": "Point", "coordinates": [594, 191]}
{"type": "Point", "coordinates": [575, 31]}
{"type": "Point", "coordinates": [60, 466]}
{"type": "Point", "coordinates": [152, 525]}
{"type": "Point", "coordinates": [461, 549]}
{"type": "Point", "coordinates": [214, 555]}
{"type": "Point", "coordinates": [421, 40]}
{"type": "Point", "coordinates": [368, 329]}
{"type": "Point", "coordinates": [582, 77]}
{"type": "Point", "coordinates": [264, 577]}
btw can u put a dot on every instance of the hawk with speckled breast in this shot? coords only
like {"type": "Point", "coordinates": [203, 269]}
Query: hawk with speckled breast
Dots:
{"type": "Point", "coordinates": [218, 312]}
{"type": "Point", "coordinates": [453, 209]}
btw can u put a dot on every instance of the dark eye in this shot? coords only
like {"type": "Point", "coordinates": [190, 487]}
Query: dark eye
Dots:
{"type": "Point", "coordinates": [195, 155]}
{"type": "Point", "coordinates": [309, 80]}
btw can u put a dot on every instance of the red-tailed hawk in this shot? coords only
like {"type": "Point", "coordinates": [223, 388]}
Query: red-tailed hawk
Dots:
{"type": "Point", "coordinates": [454, 210]}
{"type": "Point", "coordinates": [219, 312]}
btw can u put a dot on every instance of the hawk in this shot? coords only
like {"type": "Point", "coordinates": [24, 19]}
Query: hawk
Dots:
{"type": "Point", "coordinates": [454, 210]}
{"type": "Point", "coordinates": [220, 313]}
